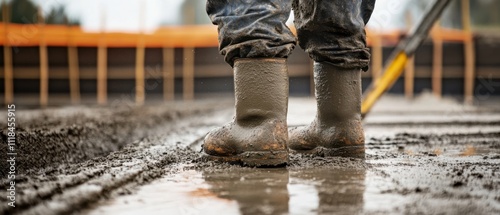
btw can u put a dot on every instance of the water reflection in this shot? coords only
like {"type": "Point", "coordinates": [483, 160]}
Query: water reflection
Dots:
{"type": "Point", "coordinates": [236, 190]}
{"type": "Point", "coordinates": [257, 191]}
{"type": "Point", "coordinates": [290, 191]}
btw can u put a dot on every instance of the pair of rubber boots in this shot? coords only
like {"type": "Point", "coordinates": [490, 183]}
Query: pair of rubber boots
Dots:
{"type": "Point", "coordinates": [258, 135]}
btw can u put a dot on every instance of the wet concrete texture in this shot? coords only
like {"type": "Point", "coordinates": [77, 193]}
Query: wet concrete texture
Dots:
{"type": "Point", "coordinates": [408, 186]}
{"type": "Point", "coordinates": [442, 158]}
{"type": "Point", "coordinates": [50, 137]}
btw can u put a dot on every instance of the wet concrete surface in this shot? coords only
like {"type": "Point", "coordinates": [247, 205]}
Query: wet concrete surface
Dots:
{"type": "Point", "coordinates": [433, 157]}
{"type": "Point", "coordinates": [453, 185]}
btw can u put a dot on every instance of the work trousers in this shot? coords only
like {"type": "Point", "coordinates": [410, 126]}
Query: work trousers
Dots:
{"type": "Point", "coordinates": [329, 31]}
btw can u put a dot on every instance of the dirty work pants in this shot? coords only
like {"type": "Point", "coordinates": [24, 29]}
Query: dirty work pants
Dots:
{"type": "Point", "coordinates": [328, 30]}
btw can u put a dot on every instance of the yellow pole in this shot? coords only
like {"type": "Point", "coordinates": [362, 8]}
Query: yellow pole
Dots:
{"type": "Point", "coordinates": [388, 78]}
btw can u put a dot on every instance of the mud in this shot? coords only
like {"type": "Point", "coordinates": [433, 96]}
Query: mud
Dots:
{"type": "Point", "coordinates": [50, 138]}
{"type": "Point", "coordinates": [102, 166]}
{"type": "Point", "coordinates": [410, 169]}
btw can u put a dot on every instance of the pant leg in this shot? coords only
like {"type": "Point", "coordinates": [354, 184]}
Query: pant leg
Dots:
{"type": "Point", "coordinates": [252, 28]}
{"type": "Point", "coordinates": [333, 30]}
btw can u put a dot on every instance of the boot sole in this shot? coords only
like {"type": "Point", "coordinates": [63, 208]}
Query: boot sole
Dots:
{"type": "Point", "coordinates": [254, 158]}
{"type": "Point", "coordinates": [345, 151]}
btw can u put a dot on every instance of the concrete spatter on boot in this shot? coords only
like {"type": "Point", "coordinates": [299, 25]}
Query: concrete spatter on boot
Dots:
{"type": "Point", "coordinates": [263, 145]}
{"type": "Point", "coordinates": [258, 136]}
{"type": "Point", "coordinates": [337, 129]}
{"type": "Point", "coordinates": [342, 140]}
{"type": "Point", "coordinates": [338, 94]}
{"type": "Point", "coordinates": [234, 139]}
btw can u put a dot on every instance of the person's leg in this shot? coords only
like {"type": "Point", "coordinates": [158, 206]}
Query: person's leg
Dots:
{"type": "Point", "coordinates": [332, 33]}
{"type": "Point", "coordinates": [252, 28]}
{"type": "Point", "coordinates": [255, 41]}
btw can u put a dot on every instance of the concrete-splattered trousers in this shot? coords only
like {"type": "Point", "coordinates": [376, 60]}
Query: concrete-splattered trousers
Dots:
{"type": "Point", "coordinates": [328, 30]}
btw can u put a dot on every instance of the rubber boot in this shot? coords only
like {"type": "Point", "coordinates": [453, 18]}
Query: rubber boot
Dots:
{"type": "Point", "coordinates": [337, 129]}
{"type": "Point", "coordinates": [258, 135]}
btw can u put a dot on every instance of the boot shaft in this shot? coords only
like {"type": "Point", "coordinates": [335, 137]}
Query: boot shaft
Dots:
{"type": "Point", "coordinates": [338, 93]}
{"type": "Point", "coordinates": [261, 90]}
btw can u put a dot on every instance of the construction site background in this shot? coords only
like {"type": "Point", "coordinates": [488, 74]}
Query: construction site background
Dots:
{"type": "Point", "coordinates": [60, 52]}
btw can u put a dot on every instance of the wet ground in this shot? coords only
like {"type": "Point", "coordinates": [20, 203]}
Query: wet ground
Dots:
{"type": "Point", "coordinates": [426, 156]}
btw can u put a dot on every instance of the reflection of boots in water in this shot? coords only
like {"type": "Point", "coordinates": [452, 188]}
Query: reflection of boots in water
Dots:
{"type": "Point", "coordinates": [259, 134]}
{"type": "Point", "coordinates": [339, 191]}
{"type": "Point", "coordinates": [257, 191]}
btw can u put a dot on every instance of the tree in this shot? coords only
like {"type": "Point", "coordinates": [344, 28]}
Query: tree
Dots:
{"type": "Point", "coordinates": [22, 12]}
{"type": "Point", "coordinates": [58, 16]}
{"type": "Point", "coordinates": [26, 12]}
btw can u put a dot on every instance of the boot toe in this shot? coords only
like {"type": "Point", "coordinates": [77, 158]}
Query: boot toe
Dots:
{"type": "Point", "coordinates": [217, 143]}
{"type": "Point", "coordinates": [256, 146]}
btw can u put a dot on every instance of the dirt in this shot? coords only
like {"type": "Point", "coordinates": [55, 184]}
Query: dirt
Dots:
{"type": "Point", "coordinates": [425, 167]}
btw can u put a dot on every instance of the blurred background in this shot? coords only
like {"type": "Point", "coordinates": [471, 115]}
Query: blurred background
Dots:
{"type": "Point", "coordinates": [60, 52]}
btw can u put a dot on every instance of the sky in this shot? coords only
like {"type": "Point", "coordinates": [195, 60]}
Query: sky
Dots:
{"type": "Point", "coordinates": [125, 15]}
{"type": "Point", "coordinates": [119, 15]}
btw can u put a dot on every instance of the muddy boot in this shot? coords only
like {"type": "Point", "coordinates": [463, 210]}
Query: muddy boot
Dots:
{"type": "Point", "coordinates": [337, 129]}
{"type": "Point", "coordinates": [258, 135]}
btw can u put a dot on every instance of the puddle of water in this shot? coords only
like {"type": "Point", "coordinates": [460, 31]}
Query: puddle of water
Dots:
{"type": "Point", "coordinates": [393, 187]}
{"type": "Point", "coordinates": [398, 186]}
{"type": "Point", "coordinates": [184, 193]}
{"type": "Point", "coordinates": [247, 191]}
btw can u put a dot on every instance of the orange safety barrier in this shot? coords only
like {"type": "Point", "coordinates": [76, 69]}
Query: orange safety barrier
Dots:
{"type": "Point", "coordinates": [60, 35]}
{"type": "Point", "coordinates": [167, 37]}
